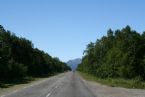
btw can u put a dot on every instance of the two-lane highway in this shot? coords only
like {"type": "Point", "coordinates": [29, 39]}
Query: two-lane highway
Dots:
{"type": "Point", "coordinates": [70, 84]}
{"type": "Point", "coordinates": [64, 85]}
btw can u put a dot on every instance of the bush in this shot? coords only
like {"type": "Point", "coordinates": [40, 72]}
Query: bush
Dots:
{"type": "Point", "coordinates": [17, 70]}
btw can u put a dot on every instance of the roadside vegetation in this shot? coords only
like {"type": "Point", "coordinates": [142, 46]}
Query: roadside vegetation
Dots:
{"type": "Point", "coordinates": [117, 58]}
{"type": "Point", "coordinates": [20, 61]}
{"type": "Point", "coordinates": [115, 82]}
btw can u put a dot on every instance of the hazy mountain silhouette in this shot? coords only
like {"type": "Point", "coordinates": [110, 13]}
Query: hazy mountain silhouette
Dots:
{"type": "Point", "coordinates": [74, 63]}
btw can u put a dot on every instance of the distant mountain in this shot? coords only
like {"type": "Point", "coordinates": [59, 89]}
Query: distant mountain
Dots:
{"type": "Point", "coordinates": [74, 63]}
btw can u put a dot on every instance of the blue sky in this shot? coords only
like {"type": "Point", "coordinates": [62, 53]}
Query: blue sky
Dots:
{"type": "Point", "coordinates": [63, 28]}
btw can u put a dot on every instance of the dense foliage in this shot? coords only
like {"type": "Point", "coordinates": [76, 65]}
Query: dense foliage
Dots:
{"type": "Point", "coordinates": [18, 58]}
{"type": "Point", "coordinates": [120, 53]}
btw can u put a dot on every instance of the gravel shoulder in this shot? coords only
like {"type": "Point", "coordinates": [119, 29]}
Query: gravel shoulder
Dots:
{"type": "Point", "coordinates": [4, 91]}
{"type": "Point", "coordinates": [106, 91]}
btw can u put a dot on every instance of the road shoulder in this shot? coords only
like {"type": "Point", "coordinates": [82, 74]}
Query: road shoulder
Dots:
{"type": "Point", "coordinates": [18, 87]}
{"type": "Point", "coordinates": [106, 91]}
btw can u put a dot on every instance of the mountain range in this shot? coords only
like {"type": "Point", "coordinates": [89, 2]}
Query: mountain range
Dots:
{"type": "Point", "coordinates": [74, 63]}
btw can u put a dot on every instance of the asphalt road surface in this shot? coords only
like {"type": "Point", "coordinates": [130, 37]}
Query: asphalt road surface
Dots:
{"type": "Point", "coordinates": [68, 84]}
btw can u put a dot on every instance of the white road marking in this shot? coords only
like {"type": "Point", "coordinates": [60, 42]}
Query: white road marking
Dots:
{"type": "Point", "coordinates": [51, 91]}
{"type": "Point", "coordinates": [48, 94]}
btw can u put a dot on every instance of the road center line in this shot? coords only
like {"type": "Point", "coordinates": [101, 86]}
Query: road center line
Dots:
{"type": "Point", "coordinates": [48, 94]}
{"type": "Point", "coordinates": [52, 91]}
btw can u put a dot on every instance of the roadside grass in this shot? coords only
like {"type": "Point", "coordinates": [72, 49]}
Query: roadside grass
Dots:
{"type": "Point", "coordinates": [12, 82]}
{"type": "Point", "coordinates": [115, 82]}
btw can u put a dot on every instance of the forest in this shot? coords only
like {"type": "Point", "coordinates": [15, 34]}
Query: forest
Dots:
{"type": "Point", "coordinates": [19, 58]}
{"type": "Point", "coordinates": [119, 54]}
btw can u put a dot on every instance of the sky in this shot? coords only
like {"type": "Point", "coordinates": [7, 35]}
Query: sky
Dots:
{"type": "Point", "coordinates": [63, 28]}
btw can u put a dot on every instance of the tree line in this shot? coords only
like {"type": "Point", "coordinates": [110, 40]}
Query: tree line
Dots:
{"type": "Point", "coordinates": [19, 58]}
{"type": "Point", "coordinates": [119, 54]}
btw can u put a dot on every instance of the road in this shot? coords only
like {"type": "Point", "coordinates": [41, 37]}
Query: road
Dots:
{"type": "Point", "coordinates": [70, 84]}
{"type": "Point", "coordinates": [64, 85]}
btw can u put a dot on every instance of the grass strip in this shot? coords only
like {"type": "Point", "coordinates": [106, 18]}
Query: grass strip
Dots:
{"type": "Point", "coordinates": [115, 82]}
